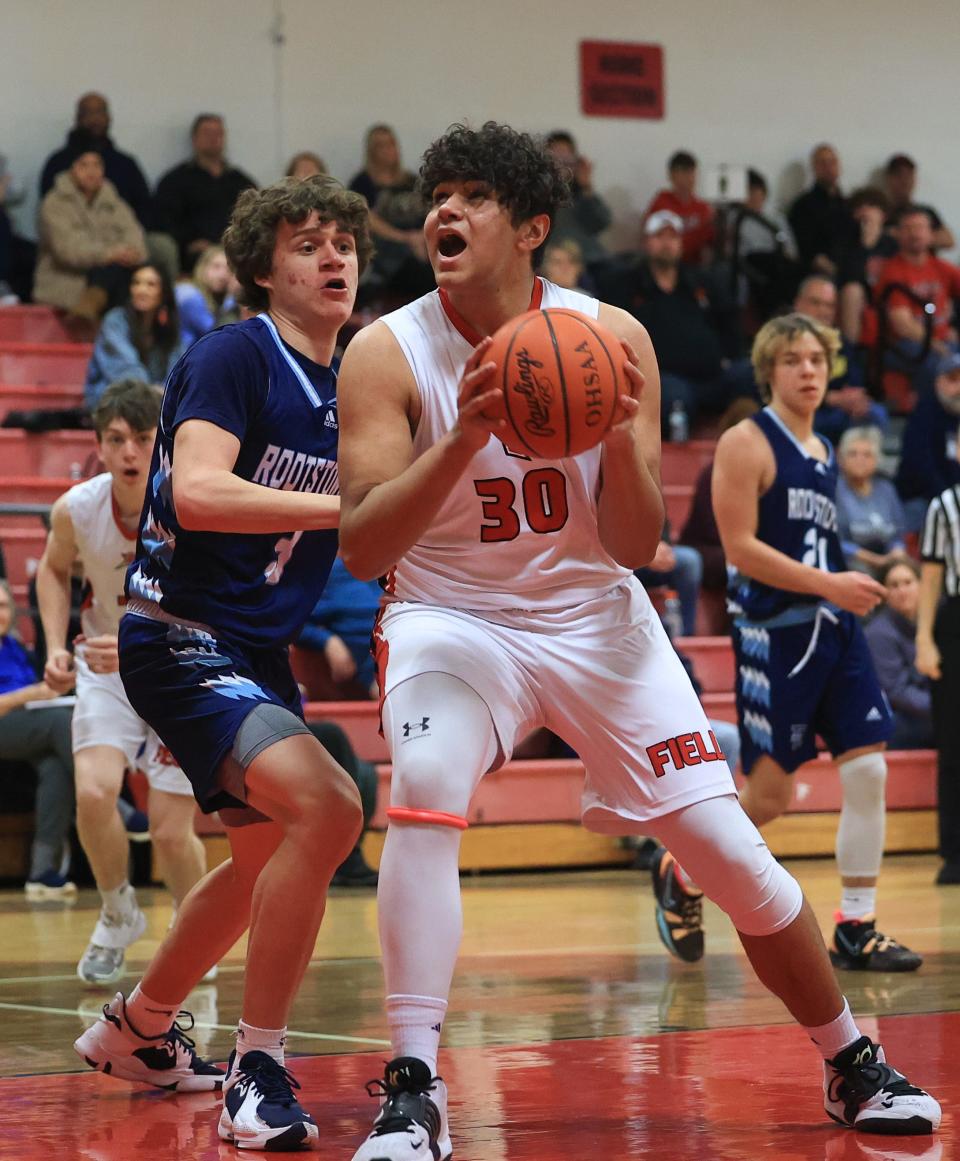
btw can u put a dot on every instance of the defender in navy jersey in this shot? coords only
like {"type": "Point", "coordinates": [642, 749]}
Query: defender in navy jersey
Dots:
{"type": "Point", "coordinates": [803, 666]}
{"type": "Point", "coordinates": [237, 538]}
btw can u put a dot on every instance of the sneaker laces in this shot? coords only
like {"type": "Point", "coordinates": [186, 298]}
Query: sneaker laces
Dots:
{"type": "Point", "coordinates": [399, 1121]}
{"type": "Point", "coordinates": [178, 1033]}
{"type": "Point", "coordinates": [274, 1082]}
{"type": "Point", "coordinates": [866, 1080]}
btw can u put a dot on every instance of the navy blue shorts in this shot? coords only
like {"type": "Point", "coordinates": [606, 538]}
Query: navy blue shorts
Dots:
{"type": "Point", "coordinates": [196, 690]}
{"type": "Point", "coordinates": [796, 681]}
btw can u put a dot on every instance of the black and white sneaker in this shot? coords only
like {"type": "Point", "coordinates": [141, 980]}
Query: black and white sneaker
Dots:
{"type": "Point", "coordinates": [861, 1090]}
{"type": "Point", "coordinates": [170, 1061]}
{"type": "Point", "coordinates": [858, 947]}
{"type": "Point", "coordinates": [260, 1110]}
{"type": "Point", "coordinates": [412, 1122]}
{"type": "Point", "coordinates": [679, 912]}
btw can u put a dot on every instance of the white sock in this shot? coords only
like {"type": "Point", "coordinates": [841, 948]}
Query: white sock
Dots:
{"type": "Point", "coordinates": [415, 1024]}
{"type": "Point", "coordinates": [268, 1040]}
{"type": "Point", "coordinates": [121, 902]}
{"type": "Point", "coordinates": [148, 1017]}
{"type": "Point", "coordinates": [840, 1033]}
{"type": "Point", "coordinates": [858, 902]}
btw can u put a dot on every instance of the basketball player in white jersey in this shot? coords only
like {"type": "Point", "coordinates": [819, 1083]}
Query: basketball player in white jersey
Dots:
{"type": "Point", "coordinates": [512, 605]}
{"type": "Point", "coordinates": [95, 525]}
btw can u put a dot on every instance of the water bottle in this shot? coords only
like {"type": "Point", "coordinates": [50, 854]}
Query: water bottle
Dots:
{"type": "Point", "coordinates": [678, 423]}
{"type": "Point", "coordinates": [672, 617]}
{"type": "Point", "coordinates": [76, 471]}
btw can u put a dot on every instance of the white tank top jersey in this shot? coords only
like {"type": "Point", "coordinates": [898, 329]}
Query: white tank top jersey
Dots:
{"type": "Point", "coordinates": [105, 548]}
{"type": "Point", "coordinates": [514, 533]}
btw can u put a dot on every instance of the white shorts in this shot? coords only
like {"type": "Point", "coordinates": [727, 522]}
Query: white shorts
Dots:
{"type": "Point", "coordinates": [602, 675]}
{"type": "Point", "coordinates": [102, 716]}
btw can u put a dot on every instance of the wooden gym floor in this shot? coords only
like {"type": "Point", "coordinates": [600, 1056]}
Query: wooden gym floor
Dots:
{"type": "Point", "coordinates": [571, 1034]}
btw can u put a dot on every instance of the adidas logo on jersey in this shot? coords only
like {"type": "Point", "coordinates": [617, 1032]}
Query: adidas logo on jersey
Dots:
{"type": "Point", "coordinates": [874, 715]}
{"type": "Point", "coordinates": [330, 420]}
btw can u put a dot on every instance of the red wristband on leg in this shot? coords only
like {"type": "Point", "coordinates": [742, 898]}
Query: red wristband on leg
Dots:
{"type": "Point", "coordinates": [434, 817]}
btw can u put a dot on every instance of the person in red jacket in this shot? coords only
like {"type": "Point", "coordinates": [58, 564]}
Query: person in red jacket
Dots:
{"type": "Point", "coordinates": [681, 199]}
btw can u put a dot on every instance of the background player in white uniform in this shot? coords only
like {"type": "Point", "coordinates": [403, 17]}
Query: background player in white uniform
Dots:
{"type": "Point", "coordinates": [513, 607]}
{"type": "Point", "coordinates": [95, 525]}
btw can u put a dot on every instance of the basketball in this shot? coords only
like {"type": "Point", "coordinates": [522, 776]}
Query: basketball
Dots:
{"type": "Point", "coordinates": [561, 373]}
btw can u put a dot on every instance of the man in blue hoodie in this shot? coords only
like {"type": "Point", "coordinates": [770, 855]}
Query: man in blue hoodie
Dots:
{"type": "Point", "coordinates": [928, 459]}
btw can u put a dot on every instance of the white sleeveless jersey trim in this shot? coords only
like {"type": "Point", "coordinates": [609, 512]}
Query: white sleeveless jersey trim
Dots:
{"type": "Point", "coordinates": [104, 553]}
{"type": "Point", "coordinates": [453, 565]}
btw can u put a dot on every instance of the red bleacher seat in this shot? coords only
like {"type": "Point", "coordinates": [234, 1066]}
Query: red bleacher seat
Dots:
{"type": "Point", "coordinates": [44, 364]}
{"type": "Point", "coordinates": [24, 397]}
{"type": "Point", "coordinates": [682, 463]}
{"type": "Point", "coordinates": [36, 324]}
{"type": "Point", "coordinates": [22, 549]}
{"type": "Point", "coordinates": [52, 453]}
{"type": "Point", "coordinates": [32, 489]}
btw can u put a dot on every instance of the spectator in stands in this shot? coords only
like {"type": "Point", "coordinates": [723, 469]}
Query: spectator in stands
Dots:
{"type": "Point", "coordinates": [195, 199]}
{"type": "Point", "coordinates": [340, 627]}
{"type": "Point", "coordinates": [900, 179]}
{"type": "Point", "coordinates": [587, 215]}
{"type": "Point", "coordinates": [678, 567]}
{"type": "Point", "coordinates": [140, 340]}
{"type": "Point", "coordinates": [18, 256]}
{"type": "Point", "coordinates": [681, 199]}
{"type": "Point", "coordinates": [400, 269]}
{"type": "Point", "coordinates": [563, 264]}
{"type": "Point", "coordinates": [208, 300]}
{"type": "Point", "coordinates": [928, 455]}
{"type": "Point", "coordinates": [765, 248]}
{"type": "Point", "coordinates": [861, 262]}
{"type": "Point", "coordinates": [820, 217]}
{"type": "Point", "coordinates": [92, 125]}
{"type": "Point", "coordinates": [870, 517]}
{"type": "Point", "coordinates": [936, 283]}
{"type": "Point", "coordinates": [89, 238]}
{"type": "Point", "coordinates": [693, 331]}
{"type": "Point", "coordinates": [891, 635]}
{"type": "Point", "coordinates": [847, 400]}
{"type": "Point", "coordinates": [700, 531]}
{"type": "Point", "coordinates": [305, 164]}
{"type": "Point", "coordinates": [40, 737]}
{"type": "Point", "coordinates": [92, 122]}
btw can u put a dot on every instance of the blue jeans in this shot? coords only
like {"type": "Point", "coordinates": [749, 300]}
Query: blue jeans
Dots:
{"type": "Point", "coordinates": [685, 577]}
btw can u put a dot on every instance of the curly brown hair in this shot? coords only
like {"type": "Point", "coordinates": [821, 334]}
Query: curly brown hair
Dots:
{"type": "Point", "coordinates": [251, 237]}
{"type": "Point", "coordinates": [525, 177]}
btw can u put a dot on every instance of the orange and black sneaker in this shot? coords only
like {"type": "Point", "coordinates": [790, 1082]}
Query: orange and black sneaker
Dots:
{"type": "Point", "coordinates": [679, 909]}
{"type": "Point", "coordinates": [858, 947]}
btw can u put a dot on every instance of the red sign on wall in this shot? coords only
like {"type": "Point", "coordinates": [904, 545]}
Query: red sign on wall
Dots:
{"type": "Point", "coordinates": [621, 80]}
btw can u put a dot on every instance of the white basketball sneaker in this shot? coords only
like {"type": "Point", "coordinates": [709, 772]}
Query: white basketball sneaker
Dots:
{"type": "Point", "coordinates": [861, 1090]}
{"type": "Point", "coordinates": [170, 1061]}
{"type": "Point", "coordinates": [412, 1122]}
{"type": "Point", "coordinates": [102, 962]}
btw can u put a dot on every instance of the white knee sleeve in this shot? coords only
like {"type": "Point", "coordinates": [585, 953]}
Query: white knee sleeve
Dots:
{"type": "Point", "coordinates": [724, 853]}
{"type": "Point", "coordinates": [442, 742]}
{"type": "Point", "coordinates": [863, 817]}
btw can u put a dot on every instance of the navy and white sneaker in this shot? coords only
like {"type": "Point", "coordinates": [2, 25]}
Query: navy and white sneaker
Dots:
{"type": "Point", "coordinates": [170, 1061]}
{"type": "Point", "coordinates": [861, 1090]}
{"type": "Point", "coordinates": [412, 1122]}
{"type": "Point", "coordinates": [260, 1110]}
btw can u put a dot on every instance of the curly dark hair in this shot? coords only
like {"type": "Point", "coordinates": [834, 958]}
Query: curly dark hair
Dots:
{"type": "Point", "coordinates": [251, 237]}
{"type": "Point", "coordinates": [525, 178]}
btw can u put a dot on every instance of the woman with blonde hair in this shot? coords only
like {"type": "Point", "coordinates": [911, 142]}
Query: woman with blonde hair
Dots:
{"type": "Point", "coordinates": [208, 300]}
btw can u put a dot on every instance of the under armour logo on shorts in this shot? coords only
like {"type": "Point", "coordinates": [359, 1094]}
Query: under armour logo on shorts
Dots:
{"type": "Point", "coordinates": [409, 727]}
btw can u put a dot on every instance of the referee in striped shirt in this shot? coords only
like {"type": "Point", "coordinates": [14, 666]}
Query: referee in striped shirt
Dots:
{"type": "Point", "coordinates": [938, 657]}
